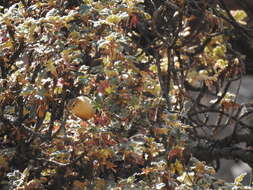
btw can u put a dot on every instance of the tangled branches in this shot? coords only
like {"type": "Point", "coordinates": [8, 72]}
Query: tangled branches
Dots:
{"type": "Point", "coordinates": [163, 75]}
{"type": "Point", "coordinates": [181, 35]}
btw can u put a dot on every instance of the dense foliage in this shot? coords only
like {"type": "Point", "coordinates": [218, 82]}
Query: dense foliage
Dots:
{"type": "Point", "coordinates": [159, 74]}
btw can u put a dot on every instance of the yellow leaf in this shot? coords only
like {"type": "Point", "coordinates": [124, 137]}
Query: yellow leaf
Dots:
{"type": "Point", "coordinates": [109, 90]}
{"type": "Point", "coordinates": [221, 64]}
{"type": "Point", "coordinates": [8, 45]}
{"type": "Point", "coordinates": [179, 167]}
{"type": "Point", "coordinates": [113, 19]}
{"type": "Point", "coordinates": [74, 35]}
{"type": "Point", "coordinates": [39, 4]}
{"type": "Point", "coordinates": [48, 172]}
{"type": "Point", "coordinates": [51, 67]}
{"type": "Point", "coordinates": [239, 178]}
{"type": "Point", "coordinates": [239, 16]}
{"type": "Point", "coordinates": [47, 117]}
{"type": "Point", "coordinates": [219, 51]}
{"type": "Point", "coordinates": [186, 178]}
{"type": "Point", "coordinates": [153, 68]}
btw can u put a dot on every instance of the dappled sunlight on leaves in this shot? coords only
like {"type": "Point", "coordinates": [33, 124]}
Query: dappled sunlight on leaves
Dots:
{"type": "Point", "coordinates": [110, 94]}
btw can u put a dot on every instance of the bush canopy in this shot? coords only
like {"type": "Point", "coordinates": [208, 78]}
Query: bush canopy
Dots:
{"type": "Point", "coordinates": [160, 75]}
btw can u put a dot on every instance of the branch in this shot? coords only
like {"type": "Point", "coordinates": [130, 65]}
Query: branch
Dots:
{"type": "Point", "coordinates": [59, 164]}
{"type": "Point", "coordinates": [208, 153]}
{"type": "Point", "coordinates": [236, 139]}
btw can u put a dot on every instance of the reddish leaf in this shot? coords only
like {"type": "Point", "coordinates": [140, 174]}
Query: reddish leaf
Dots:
{"type": "Point", "coordinates": [175, 152]}
{"type": "Point", "coordinates": [133, 21]}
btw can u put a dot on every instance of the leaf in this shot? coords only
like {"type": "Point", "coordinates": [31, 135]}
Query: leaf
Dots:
{"type": "Point", "coordinates": [153, 68]}
{"type": "Point", "coordinates": [109, 90]}
{"type": "Point", "coordinates": [133, 21]}
{"type": "Point", "coordinates": [103, 43]}
{"type": "Point", "coordinates": [221, 64]}
{"type": "Point", "coordinates": [105, 154]}
{"type": "Point", "coordinates": [178, 151]}
{"type": "Point", "coordinates": [110, 165]}
{"type": "Point", "coordinates": [48, 172]}
{"type": "Point", "coordinates": [239, 179]}
{"type": "Point", "coordinates": [74, 35]}
{"type": "Point", "coordinates": [6, 45]}
{"type": "Point", "coordinates": [146, 171]}
{"type": "Point", "coordinates": [79, 184]}
{"type": "Point", "coordinates": [114, 19]}
{"type": "Point", "coordinates": [219, 51]}
{"type": "Point", "coordinates": [186, 178]}
{"type": "Point", "coordinates": [3, 162]}
{"type": "Point", "coordinates": [41, 110]}
{"type": "Point", "coordinates": [179, 167]}
{"type": "Point", "coordinates": [134, 157]}
{"type": "Point", "coordinates": [239, 16]}
{"type": "Point", "coordinates": [47, 117]}
{"type": "Point", "coordinates": [27, 90]}
{"type": "Point", "coordinates": [52, 12]}
{"type": "Point", "coordinates": [58, 90]}
{"type": "Point", "coordinates": [108, 140]}
{"type": "Point", "coordinates": [161, 131]}
{"type": "Point", "coordinates": [51, 67]}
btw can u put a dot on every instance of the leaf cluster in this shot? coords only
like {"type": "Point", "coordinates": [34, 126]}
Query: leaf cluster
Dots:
{"type": "Point", "coordinates": [156, 71]}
